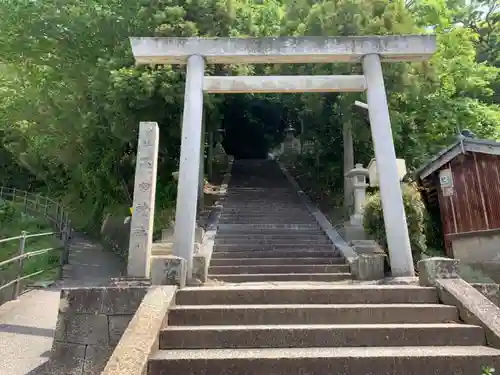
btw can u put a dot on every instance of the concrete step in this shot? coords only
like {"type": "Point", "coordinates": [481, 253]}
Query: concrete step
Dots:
{"type": "Point", "coordinates": [276, 269]}
{"type": "Point", "coordinates": [282, 220]}
{"type": "Point", "coordinates": [320, 335]}
{"type": "Point", "coordinates": [407, 360]}
{"type": "Point", "coordinates": [311, 314]}
{"type": "Point", "coordinates": [258, 209]}
{"type": "Point", "coordinates": [282, 246]}
{"type": "Point", "coordinates": [273, 216]}
{"type": "Point", "coordinates": [278, 253]}
{"type": "Point", "coordinates": [269, 227]}
{"type": "Point", "coordinates": [303, 294]}
{"type": "Point", "coordinates": [270, 232]}
{"type": "Point", "coordinates": [278, 235]}
{"type": "Point", "coordinates": [253, 240]}
{"type": "Point", "coordinates": [245, 278]}
{"type": "Point", "coordinates": [274, 261]}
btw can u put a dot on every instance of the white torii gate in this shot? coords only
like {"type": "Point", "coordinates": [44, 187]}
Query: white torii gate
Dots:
{"type": "Point", "coordinates": [367, 50]}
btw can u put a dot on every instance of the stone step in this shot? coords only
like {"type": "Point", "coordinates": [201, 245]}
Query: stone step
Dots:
{"type": "Point", "coordinates": [278, 269]}
{"type": "Point", "coordinates": [282, 235]}
{"type": "Point", "coordinates": [311, 314]}
{"type": "Point", "coordinates": [268, 227]}
{"type": "Point", "coordinates": [253, 240]}
{"type": "Point", "coordinates": [263, 209]}
{"type": "Point", "coordinates": [261, 206]}
{"type": "Point", "coordinates": [283, 220]}
{"type": "Point", "coordinates": [407, 360]}
{"type": "Point", "coordinates": [269, 232]}
{"type": "Point", "coordinates": [274, 261]}
{"type": "Point", "coordinates": [267, 215]}
{"type": "Point", "coordinates": [320, 335]}
{"type": "Point", "coordinates": [280, 246]}
{"type": "Point", "coordinates": [278, 253]}
{"type": "Point", "coordinates": [301, 294]}
{"type": "Point", "coordinates": [250, 278]}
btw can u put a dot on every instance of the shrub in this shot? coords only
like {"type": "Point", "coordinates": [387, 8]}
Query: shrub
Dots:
{"type": "Point", "coordinates": [373, 220]}
{"type": "Point", "coordinates": [7, 211]}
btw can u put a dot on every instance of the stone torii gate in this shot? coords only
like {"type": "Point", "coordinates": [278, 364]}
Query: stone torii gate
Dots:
{"type": "Point", "coordinates": [370, 51]}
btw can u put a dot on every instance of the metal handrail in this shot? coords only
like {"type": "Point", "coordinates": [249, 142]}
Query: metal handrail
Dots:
{"type": "Point", "coordinates": [55, 214]}
{"type": "Point", "coordinates": [52, 210]}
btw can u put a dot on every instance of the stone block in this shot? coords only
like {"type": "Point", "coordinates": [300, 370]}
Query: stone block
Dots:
{"type": "Point", "coordinates": [200, 267]}
{"type": "Point", "coordinates": [432, 269]}
{"type": "Point", "coordinates": [81, 300]}
{"type": "Point", "coordinates": [82, 329]}
{"type": "Point", "coordinates": [473, 307]}
{"type": "Point", "coordinates": [369, 267]}
{"type": "Point", "coordinates": [353, 232]}
{"type": "Point", "coordinates": [162, 248]}
{"type": "Point", "coordinates": [168, 270]}
{"type": "Point", "coordinates": [121, 301]}
{"type": "Point", "coordinates": [96, 358]}
{"type": "Point", "coordinates": [66, 358]}
{"type": "Point", "coordinates": [167, 234]}
{"type": "Point", "coordinates": [117, 325]}
{"type": "Point", "coordinates": [127, 282]}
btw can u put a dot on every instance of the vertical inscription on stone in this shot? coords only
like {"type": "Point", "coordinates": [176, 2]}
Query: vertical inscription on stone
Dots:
{"type": "Point", "coordinates": [141, 228]}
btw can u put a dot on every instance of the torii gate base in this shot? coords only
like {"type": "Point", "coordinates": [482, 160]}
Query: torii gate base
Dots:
{"type": "Point", "coordinates": [370, 51]}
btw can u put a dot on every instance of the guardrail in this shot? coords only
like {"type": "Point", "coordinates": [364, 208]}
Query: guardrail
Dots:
{"type": "Point", "coordinates": [57, 217]}
{"type": "Point", "coordinates": [17, 282]}
{"type": "Point", "coordinates": [39, 204]}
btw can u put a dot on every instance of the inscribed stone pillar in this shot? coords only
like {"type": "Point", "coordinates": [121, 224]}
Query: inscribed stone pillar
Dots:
{"type": "Point", "coordinates": [141, 227]}
{"type": "Point", "coordinates": [396, 228]}
{"type": "Point", "coordinates": [189, 169]}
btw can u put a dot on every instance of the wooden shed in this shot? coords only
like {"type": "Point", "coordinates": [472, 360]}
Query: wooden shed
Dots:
{"type": "Point", "coordinates": [463, 183]}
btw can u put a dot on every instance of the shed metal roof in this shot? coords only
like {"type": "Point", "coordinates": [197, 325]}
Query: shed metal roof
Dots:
{"type": "Point", "coordinates": [463, 144]}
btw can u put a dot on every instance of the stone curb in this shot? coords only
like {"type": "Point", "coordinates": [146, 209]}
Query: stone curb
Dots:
{"type": "Point", "coordinates": [140, 339]}
{"type": "Point", "coordinates": [474, 307]}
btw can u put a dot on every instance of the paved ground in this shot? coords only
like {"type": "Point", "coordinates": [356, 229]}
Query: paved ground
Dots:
{"type": "Point", "coordinates": [27, 324]}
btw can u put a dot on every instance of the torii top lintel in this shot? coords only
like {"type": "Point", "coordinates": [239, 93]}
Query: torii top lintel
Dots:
{"type": "Point", "coordinates": [280, 50]}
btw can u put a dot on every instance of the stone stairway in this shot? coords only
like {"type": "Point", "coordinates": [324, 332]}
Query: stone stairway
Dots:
{"type": "Point", "coordinates": [267, 234]}
{"type": "Point", "coordinates": [282, 325]}
{"type": "Point", "coordinates": [328, 329]}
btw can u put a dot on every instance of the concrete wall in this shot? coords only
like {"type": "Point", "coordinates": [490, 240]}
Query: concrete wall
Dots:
{"type": "Point", "coordinates": [90, 323]}
{"type": "Point", "coordinates": [477, 247]}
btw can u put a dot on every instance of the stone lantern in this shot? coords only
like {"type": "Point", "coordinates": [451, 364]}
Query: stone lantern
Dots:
{"type": "Point", "coordinates": [358, 175]}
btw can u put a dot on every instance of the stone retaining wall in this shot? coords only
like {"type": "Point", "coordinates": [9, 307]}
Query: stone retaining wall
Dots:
{"type": "Point", "coordinates": [90, 323]}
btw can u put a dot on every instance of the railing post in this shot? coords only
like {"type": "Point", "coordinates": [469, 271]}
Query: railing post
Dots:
{"type": "Point", "coordinates": [20, 265]}
{"type": "Point", "coordinates": [61, 222]}
{"type": "Point", "coordinates": [1, 191]}
{"type": "Point", "coordinates": [67, 239]}
{"type": "Point", "coordinates": [37, 198]}
{"type": "Point", "coordinates": [25, 202]}
{"type": "Point", "coordinates": [14, 195]}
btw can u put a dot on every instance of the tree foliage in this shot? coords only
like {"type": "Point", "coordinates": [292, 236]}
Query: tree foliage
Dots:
{"type": "Point", "coordinates": [72, 98]}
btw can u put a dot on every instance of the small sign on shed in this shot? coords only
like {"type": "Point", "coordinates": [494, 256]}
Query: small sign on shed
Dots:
{"type": "Point", "coordinates": [446, 182]}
